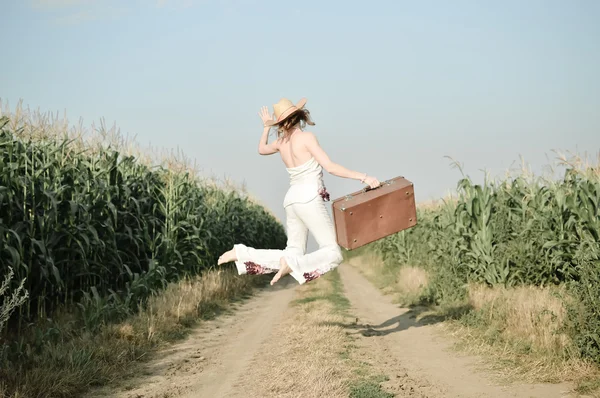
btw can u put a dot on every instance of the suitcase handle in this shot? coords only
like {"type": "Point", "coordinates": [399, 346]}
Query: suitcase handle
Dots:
{"type": "Point", "coordinates": [367, 189]}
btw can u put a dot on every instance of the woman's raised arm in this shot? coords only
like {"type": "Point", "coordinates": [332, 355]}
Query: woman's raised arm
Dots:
{"type": "Point", "coordinates": [264, 148]}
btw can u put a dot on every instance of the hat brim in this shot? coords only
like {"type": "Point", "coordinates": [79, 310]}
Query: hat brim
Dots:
{"type": "Point", "coordinates": [298, 106]}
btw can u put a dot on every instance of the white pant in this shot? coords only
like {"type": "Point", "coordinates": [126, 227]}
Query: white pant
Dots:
{"type": "Point", "coordinates": [301, 218]}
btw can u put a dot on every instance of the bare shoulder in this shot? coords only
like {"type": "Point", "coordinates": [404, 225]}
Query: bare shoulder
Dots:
{"type": "Point", "coordinates": [307, 137]}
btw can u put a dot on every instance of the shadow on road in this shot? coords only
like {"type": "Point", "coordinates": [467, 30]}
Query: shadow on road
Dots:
{"type": "Point", "coordinates": [405, 320]}
{"type": "Point", "coordinates": [285, 283]}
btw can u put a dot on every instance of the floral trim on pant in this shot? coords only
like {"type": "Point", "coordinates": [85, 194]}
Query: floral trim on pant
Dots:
{"type": "Point", "coordinates": [255, 269]}
{"type": "Point", "coordinates": [309, 276]}
{"type": "Point", "coordinates": [324, 194]}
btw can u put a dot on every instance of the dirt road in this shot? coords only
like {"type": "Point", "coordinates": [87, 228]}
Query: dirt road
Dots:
{"type": "Point", "coordinates": [213, 357]}
{"type": "Point", "coordinates": [220, 358]}
{"type": "Point", "coordinates": [416, 355]}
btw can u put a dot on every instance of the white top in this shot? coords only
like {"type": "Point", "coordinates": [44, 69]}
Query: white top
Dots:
{"type": "Point", "coordinates": [305, 182]}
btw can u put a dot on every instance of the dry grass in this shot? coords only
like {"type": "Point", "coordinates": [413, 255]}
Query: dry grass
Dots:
{"type": "Point", "coordinates": [197, 297]}
{"type": "Point", "coordinates": [529, 314]}
{"type": "Point", "coordinates": [11, 298]}
{"type": "Point", "coordinates": [405, 282]}
{"type": "Point", "coordinates": [411, 281]}
{"type": "Point", "coordinates": [309, 355]}
{"type": "Point", "coordinates": [180, 305]}
{"type": "Point", "coordinates": [78, 360]}
{"type": "Point", "coordinates": [370, 265]}
{"type": "Point", "coordinates": [302, 358]}
{"type": "Point", "coordinates": [522, 333]}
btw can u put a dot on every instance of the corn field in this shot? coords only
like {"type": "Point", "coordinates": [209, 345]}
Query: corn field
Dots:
{"type": "Point", "coordinates": [102, 231]}
{"type": "Point", "coordinates": [520, 231]}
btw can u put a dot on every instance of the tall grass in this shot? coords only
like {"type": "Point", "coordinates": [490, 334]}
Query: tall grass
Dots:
{"type": "Point", "coordinates": [88, 221]}
{"type": "Point", "coordinates": [519, 231]}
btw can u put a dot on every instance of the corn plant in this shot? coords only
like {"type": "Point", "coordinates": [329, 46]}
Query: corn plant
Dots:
{"type": "Point", "coordinates": [101, 230]}
{"type": "Point", "coordinates": [523, 230]}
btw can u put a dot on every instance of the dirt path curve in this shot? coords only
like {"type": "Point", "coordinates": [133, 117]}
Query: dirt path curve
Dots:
{"type": "Point", "coordinates": [415, 356]}
{"type": "Point", "coordinates": [213, 357]}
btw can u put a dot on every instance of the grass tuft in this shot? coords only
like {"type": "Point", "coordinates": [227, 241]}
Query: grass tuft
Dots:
{"type": "Point", "coordinates": [368, 389]}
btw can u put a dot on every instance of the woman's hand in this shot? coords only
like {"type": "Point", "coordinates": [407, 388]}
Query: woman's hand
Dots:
{"type": "Point", "coordinates": [371, 181]}
{"type": "Point", "coordinates": [264, 115]}
{"type": "Point", "coordinates": [264, 148]}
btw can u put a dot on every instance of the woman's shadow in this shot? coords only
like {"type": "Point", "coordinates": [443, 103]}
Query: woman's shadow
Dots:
{"type": "Point", "coordinates": [406, 320]}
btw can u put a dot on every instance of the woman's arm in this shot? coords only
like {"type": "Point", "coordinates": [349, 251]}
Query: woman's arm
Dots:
{"type": "Point", "coordinates": [333, 168]}
{"type": "Point", "coordinates": [264, 148]}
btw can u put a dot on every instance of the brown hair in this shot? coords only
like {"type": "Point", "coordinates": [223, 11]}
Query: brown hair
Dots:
{"type": "Point", "coordinates": [301, 116]}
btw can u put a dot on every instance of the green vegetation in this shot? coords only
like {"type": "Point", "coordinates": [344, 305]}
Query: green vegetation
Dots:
{"type": "Point", "coordinates": [91, 234]}
{"type": "Point", "coordinates": [523, 254]}
{"type": "Point", "coordinates": [369, 389]}
{"type": "Point", "coordinates": [335, 295]}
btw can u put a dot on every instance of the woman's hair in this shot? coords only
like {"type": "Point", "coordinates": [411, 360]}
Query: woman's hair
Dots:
{"type": "Point", "coordinates": [301, 116]}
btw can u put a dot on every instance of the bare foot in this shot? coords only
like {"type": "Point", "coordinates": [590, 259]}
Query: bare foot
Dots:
{"type": "Point", "coordinates": [227, 257]}
{"type": "Point", "coordinates": [283, 270]}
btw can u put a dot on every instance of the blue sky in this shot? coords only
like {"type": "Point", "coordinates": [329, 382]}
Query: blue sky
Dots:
{"type": "Point", "coordinates": [393, 86]}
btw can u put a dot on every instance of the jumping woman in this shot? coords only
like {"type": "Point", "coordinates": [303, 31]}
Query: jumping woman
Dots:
{"type": "Point", "coordinates": [304, 201]}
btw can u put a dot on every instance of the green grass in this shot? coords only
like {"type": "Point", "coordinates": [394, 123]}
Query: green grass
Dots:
{"type": "Point", "coordinates": [589, 387]}
{"type": "Point", "coordinates": [368, 382]}
{"type": "Point", "coordinates": [335, 296]}
{"type": "Point", "coordinates": [369, 388]}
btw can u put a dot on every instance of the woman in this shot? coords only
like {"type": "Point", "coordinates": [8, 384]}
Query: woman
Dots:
{"type": "Point", "coordinates": [304, 201]}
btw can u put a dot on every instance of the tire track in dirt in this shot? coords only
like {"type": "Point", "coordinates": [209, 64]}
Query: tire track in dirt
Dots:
{"type": "Point", "coordinates": [414, 355]}
{"type": "Point", "coordinates": [208, 363]}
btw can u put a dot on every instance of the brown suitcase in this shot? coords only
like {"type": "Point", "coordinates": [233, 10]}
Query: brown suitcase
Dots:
{"type": "Point", "coordinates": [371, 214]}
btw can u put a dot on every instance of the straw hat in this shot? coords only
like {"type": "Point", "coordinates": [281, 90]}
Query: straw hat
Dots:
{"type": "Point", "coordinates": [283, 109]}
